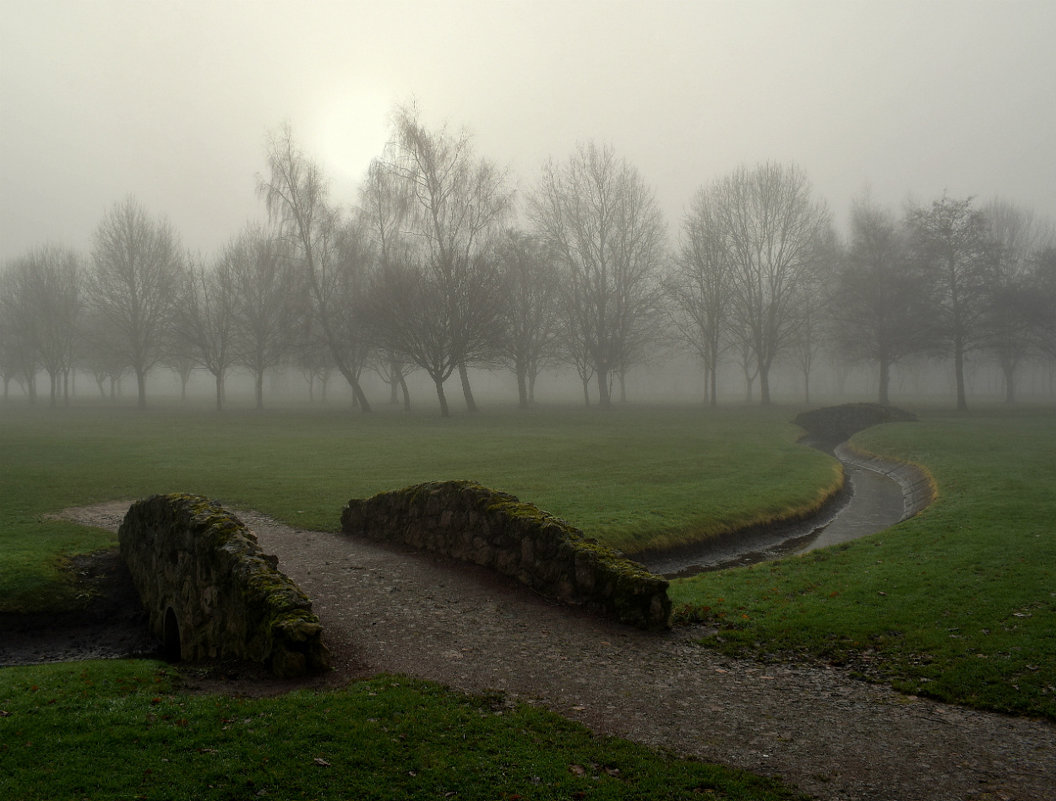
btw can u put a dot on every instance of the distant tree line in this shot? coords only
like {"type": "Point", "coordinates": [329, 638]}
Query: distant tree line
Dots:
{"type": "Point", "coordinates": [438, 270]}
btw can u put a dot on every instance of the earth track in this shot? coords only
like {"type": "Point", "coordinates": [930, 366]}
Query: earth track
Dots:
{"type": "Point", "coordinates": [391, 610]}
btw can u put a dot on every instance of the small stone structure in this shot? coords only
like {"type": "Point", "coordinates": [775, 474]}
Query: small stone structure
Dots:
{"type": "Point", "coordinates": [475, 524]}
{"type": "Point", "coordinates": [211, 592]}
{"type": "Point", "coordinates": [829, 426]}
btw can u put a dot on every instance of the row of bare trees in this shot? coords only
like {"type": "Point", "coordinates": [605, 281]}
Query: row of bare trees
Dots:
{"type": "Point", "coordinates": [760, 274]}
{"type": "Point", "coordinates": [430, 273]}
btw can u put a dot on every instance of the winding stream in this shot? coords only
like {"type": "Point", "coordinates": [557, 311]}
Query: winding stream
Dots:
{"type": "Point", "coordinates": [877, 495]}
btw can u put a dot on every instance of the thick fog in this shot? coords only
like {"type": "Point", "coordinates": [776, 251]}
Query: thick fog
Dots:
{"type": "Point", "coordinates": [171, 102]}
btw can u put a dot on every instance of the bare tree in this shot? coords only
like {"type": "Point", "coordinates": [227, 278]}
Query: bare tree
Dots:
{"type": "Point", "coordinates": [572, 342]}
{"type": "Point", "coordinates": [19, 328]}
{"type": "Point", "coordinates": [700, 287]}
{"type": "Point", "coordinates": [771, 229]}
{"type": "Point", "coordinates": [951, 239]}
{"type": "Point", "coordinates": [454, 204]}
{"type": "Point", "coordinates": [205, 324]}
{"type": "Point", "coordinates": [1042, 309]}
{"type": "Point", "coordinates": [42, 306]}
{"type": "Point", "coordinates": [811, 304]}
{"type": "Point", "coordinates": [531, 291]}
{"type": "Point", "coordinates": [879, 308]}
{"type": "Point", "coordinates": [1017, 236]}
{"type": "Point", "coordinates": [601, 220]}
{"type": "Point", "coordinates": [59, 303]}
{"type": "Point", "coordinates": [344, 289]}
{"type": "Point", "coordinates": [268, 301]}
{"type": "Point", "coordinates": [411, 323]}
{"type": "Point", "coordinates": [295, 195]}
{"type": "Point", "coordinates": [385, 206]}
{"type": "Point", "coordinates": [133, 286]}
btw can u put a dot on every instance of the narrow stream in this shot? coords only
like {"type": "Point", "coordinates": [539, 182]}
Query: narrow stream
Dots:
{"type": "Point", "coordinates": [873, 501]}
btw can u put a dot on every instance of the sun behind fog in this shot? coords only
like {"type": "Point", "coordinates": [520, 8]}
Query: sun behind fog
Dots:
{"type": "Point", "coordinates": [346, 129]}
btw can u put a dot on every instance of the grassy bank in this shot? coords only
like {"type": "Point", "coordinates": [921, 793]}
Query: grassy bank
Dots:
{"type": "Point", "coordinates": [108, 730]}
{"type": "Point", "coordinates": [958, 603]}
{"type": "Point", "coordinates": [634, 478]}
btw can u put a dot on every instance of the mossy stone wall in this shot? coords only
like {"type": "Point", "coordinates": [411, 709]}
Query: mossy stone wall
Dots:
{"type": "Point", "coordinates": [476, 524]}
{"type": "Point", "coordinates": [212, 593]}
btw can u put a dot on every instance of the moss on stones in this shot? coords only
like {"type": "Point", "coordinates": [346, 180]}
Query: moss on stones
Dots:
{"type": "Point", "coordinates": [495, 529]}
{"type": "Point", "coordinates": [188, 554]}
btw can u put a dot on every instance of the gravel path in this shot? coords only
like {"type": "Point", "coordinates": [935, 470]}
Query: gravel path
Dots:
{"type": "Point", "coordinates": [386, 609]}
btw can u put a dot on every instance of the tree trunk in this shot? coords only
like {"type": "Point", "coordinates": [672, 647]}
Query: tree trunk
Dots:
{"type": "Point", "coordinates": [586, 391]}
{"type": "Point", "coordinates": [440, 396]}
{"type": "Point", "coordinates": [604, 398]}
{"type": "Point", "coordinates": [219, 390]}
{"type": "Point", "coordinates": [467, 390]}
{"type": "Point", "coordinates": [406, 393]}
{"type": "Point", "coordinates": [258, 390]}
{"type": "Point", "coordinates": [357, 390]}
{"type": "Point", "coordinates": [522, 388]}
{"type": "Point", "coordinates": [885, 382]}
{"type": "Point", "coordinates": [1008, 368]}
{"type": "Point", "coordinates": [764, 386]}
{"type": "Point", "coordinates": [141, 386]}
{"type": "Point", "coordinates": [958, 371]}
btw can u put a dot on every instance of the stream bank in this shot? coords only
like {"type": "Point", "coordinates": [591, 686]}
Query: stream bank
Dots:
{"type": "Point", "coordinates": [877, 494]}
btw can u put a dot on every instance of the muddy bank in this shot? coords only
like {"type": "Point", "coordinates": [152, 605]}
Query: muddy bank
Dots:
{"type": "Point", "coordinates": [110, 625]}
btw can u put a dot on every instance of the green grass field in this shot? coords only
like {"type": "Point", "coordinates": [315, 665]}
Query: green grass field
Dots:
{"type": "Point", "coordinates": [633, 478]}
{"type": "Point", "coordinates": [120, 729]}
{"type": "Point", "coordinates": [958, 603]}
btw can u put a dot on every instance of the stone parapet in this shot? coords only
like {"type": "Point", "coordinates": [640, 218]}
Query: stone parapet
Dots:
{"type": "Point", "coordinates": [212, 593]}
{"type": "Point", "coordinates": [472, 523]}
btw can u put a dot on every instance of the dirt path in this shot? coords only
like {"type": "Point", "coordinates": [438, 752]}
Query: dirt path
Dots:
{"type": "Point", "coordinates": [389, 610]}
{"type": "Point", "coordinates": [834, 737]}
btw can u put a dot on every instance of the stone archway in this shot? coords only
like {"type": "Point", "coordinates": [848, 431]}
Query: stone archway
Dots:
{"type": "Point", "coordinates": [172, 648]}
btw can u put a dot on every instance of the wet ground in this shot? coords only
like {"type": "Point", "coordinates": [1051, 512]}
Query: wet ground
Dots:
{"type": "Point", "coordinates": [112, 625]}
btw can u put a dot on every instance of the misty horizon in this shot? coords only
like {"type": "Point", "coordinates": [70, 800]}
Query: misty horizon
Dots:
{"type": "Point", "coordinates": [173, 104]}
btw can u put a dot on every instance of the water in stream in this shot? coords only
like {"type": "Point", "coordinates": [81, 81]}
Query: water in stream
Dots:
{"type": "Point", "coordinates": [875, 502]}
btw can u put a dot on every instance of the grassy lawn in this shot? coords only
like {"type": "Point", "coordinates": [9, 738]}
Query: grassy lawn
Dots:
{"type": "Point", "coordinates": [122, 730]}
{"type": "Point", "coordinates": [633, 477]}
{"type": "Point", "coordinates": [958, 603]}
{"type": "Point", "coordinates": [109, 730]}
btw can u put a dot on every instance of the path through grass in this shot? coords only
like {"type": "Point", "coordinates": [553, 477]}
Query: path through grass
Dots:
{"type": "Point", "coordinates": [634, 478]}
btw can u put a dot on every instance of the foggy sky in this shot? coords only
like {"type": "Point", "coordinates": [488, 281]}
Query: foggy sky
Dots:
{"type": "Point", "coordinates": [171, 101]}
